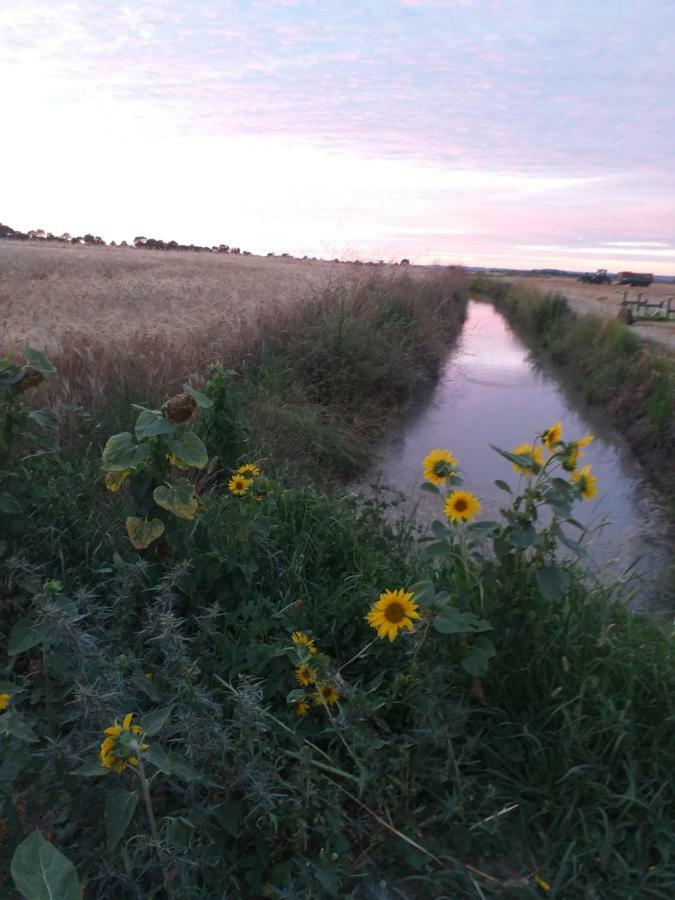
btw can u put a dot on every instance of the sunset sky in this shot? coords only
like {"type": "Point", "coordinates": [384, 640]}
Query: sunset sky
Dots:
{"type": "Point", "coordinates": [530, 133]}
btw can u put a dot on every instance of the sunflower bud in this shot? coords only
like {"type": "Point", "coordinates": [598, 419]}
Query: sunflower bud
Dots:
{"type": "Point", "coordinates": [180, 408]}
{"type": "Point", "coordinates": [31, 378]}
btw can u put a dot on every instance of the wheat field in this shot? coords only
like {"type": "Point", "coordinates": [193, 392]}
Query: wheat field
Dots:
{"type": "Point", "coordinates": [48, 291]}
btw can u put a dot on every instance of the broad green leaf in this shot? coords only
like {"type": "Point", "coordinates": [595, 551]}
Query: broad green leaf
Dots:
{"type": "Point", "coordinates": [120, 807]}
{"type": "Point", "coordinates": [38, 361]}
{"type": "Point", "coordinates": [477, 662]}
{"type": "Point", "coordinates": [428, 486]}
{"type": "Point", "coordinates": [424, 591]}
{"type": "Point", "coordinates": [25, 635]}
{"type": "Point", "coordinates": [159, 758]}
{"type": "Point", "coordinates": [553, 582]}
{"type": "Point", "coordinates": [481, 530]}
{"type": "Point", "coordinates": [524, 536]}
{"type": "Point", "coordinates": [503, 486]}
{"type": "Point", "coordinates": [45, 418]}
{"type": "Point", "coordinates": [524, 460]}
{"type": "Point", "coordinates": [182, 768]}
{"type": "Point", "coordinates": [453, 621]}
{"type": "Point", "coordinates": [143, 532]}
{"type": "Point", "coordinates": [440, 531]}
{"type": "Point", "coordinates": [41, 872]}
{"type": "Point", "coordinates": [154, 721]}
{"type": "Point", "coordinates": [91, 769]}
{"type": "Point", "coordinates": [180, 830]}
{"type": "Point", "coordinates": [202, 401]}
{"type": "Point", "coordinates": [152, 423]}
{"type": "Point", "coordinates": [178, 498]}
{"type": "Point", "coordinates": [115, 480]}
{"type": "Point", "coordinates": [120, 453]}
{"type": "Point", "coordinates": [437, 548]}
{"type": "Point", "coordinates": [18, 728]}
{"type": "Point", "coordinates": [9, 505]}
{"type": "Point", "coordinates": [187, 448]}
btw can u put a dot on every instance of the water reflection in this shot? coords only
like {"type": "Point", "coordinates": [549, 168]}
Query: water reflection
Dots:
{"type": "Point", "coordinates": [491, 392]}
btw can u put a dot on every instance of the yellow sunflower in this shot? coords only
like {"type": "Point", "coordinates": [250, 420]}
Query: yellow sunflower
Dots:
{"type": "Point", "coordinates": [121, 745]}
{"type": "Point", "coordinates": [300, 638]}
{"type": "Point", "coordinates": [461, 506]}
{"type": "Point", "coordinates": [528, 450]}
{"type": "Point", "coordinates": [393, 611]}
{"type": "Point", "coordinates": [587, 482]}
{"type": "Point", "coordinates": [4, 701]}
{"type": "Point", "coordinates": [552, 435]}
{"type": "Point", "coordinates": [305, 675]}
{"type": "Point", "coordinates": [301, 708]}
{"type": "Point", "coordinates": [574, 452]}
{"type": "Point", "coordinates": [326, 694]}
{"type": "Point", "coordinates": [438, 466]}
{"type": "Point", "coordinates": [249, 470]}
{"type": "Point", "coordinates": [239, 485]}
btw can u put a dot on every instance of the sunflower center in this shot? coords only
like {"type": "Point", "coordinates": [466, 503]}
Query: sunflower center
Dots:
{"type": "Point", "coordinates": [461, 505]}
{"type": "Point", "coordinates": [394, 613]}
{"type": "Point", "coordinates": [442, 468]}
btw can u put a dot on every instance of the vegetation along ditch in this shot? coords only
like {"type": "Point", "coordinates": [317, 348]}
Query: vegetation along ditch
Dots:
{"type": "Point", "coordinates": [223, 677]}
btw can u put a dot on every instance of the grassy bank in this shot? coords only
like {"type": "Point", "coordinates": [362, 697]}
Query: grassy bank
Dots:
{"type": "Point", "coordinates": [515, 741]}
{"type": "Point", "coordinates": [632, 380]}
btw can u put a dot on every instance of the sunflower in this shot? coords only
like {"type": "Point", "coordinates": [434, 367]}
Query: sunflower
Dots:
{"type": "Point", "coordinates": [574, 452]}
{"type": "Point", "coordinates": [461, 506]}
{"type": "Point", "coordinates": [393, 610]}
{"type": "Point", "coordinates": [300, 638]}
{"type": "Point", "coordinates": [532, 451]}
{"type": "Point", "coordinates": [305, 675]}
{"type": "Point", "coordinates": [587, 483]}
{"type": "Point", "coordinates": [439, 466]}
{"type": "Point", "coordinates": [115, 480]}
{"type": "Point", "coordinates": [121, 746]}
{"type": "Point", "coordinates": [249, 470]}
{"type": "Point", "coordinates": [239, 485]}
{"type": "Point", "coordinates": [301, 707]}
{"type": "Point", "coordinates": [326, 694]}
{"type": "Point", "coordinates": [544, 885]}
{"type": "Point", "coordinates": [4, 701]}
{"type": "Point", "coordinates": [552, 435]}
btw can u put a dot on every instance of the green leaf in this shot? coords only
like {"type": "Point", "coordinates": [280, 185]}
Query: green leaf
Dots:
{"type": "Point", "coordinates": [182, 768]}
{"type": "Point", "coordinates": [553, 582]}
{"type": "Point", "coordinates": [503, 486]}
{"type": "Point", "coordinates": [187, 448]}
{"type": "Point", "coordinates": [481, 530]}
{"type": "Point", "coordinates": [45, 418]}
{"type": "Point", "coordinates": [452, 621]}
{"type": "Point", "coordinates": [524, 536]}
{"type": "Point", "coordinates": [202, 401]}
{"type": "Point", "coordinates": [440, 531]}
{"type": "Point", "coordinates": [180, 830]}
{"type": "Point", "coordinates": [152, 423]}
{"type": "Point", "coordinates": [9, 505]}
{"type": "Point", "coordinates": [91, 769]}
{"type": "Point", "coordinates": [120, 453]}
{"type": "Point", "coordinates": [424, 591]}
{"type": "Point", "coordinates": [26, 635]}
{"type": "Point", "coordinates": [159, 758]}
{"type": "Point", "coordinates": [18, 728]}
{"type": "Point", "coordinates": [38, 361]}
{"type": "Point", "coordinates": [437, 548]}
{"type": "Point", "coordinates": [477, 662]}
{"type": "Point", "coordinates": [143, 532]}
{"type": "Point", "coordinates": [431, 488]}
{"type": "Point", "coordinates": [178, 498]}
{"type": "Point", "coordinates": [41, 872]}
{"type": "Point", "coordinates": [120, 807]}
{"type": "Point", "coordinates": [154, 721]}
{"type": "Point", "coordinates": [524, 460]}
{"type": "Point", "coordinates": [571, 544]}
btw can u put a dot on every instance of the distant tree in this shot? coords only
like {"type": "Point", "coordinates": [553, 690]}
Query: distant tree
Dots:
{"type": "Point", "coordinates": [235, 250]}
{"type": "Point", "coordinates": [405, 262]}
{"type": "Point", "coordinates": [247, 253]}
{"type": "Point", "coordinates": [123, 244]}
{"type": "Point", "coordinates": [65, 237]}
{"type": "Point", "coordinates": [270, 254]}
{"type": "Point", "coordinates": [140, 241]}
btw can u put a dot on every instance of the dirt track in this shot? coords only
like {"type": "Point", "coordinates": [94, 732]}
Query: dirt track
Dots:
{"type": "Point", "coordinates": [604, 300]}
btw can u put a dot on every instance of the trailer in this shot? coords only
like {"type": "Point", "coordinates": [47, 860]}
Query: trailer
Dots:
{"type": "Point", "coordinates": [599, 277]}
{"type": "Point", "coordinates": [635, 279]}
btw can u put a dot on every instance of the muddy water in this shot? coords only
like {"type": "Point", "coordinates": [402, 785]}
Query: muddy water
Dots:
{"type": "Point", "coordinates": [492, 392]}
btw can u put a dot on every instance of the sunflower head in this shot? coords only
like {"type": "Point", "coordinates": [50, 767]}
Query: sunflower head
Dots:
{"type": "Point", "coordinates": [552, 435]}
{"type": "Point", "coordinates": [305, 675]}
{"type": "Point", "coordinates": [31, 378]}
{"type": "Point", "coordinates": [461, 506]}
{"type": "Point", "coordinates": [535, 454]}
{"type": "Point", "coordinates": [4, 701]}
{"type": "Point", "coordinates": [439, 466]}
{"type": "Point", "coordinates": [238, 485]}
{"type": "Point", "coordinates": [326, 694]}
{"type": "Point", "coordinates": [122, 745]}
{"type": "Point", "coordinates": [180, 408]}
{"type": "Point", "coordinates": [301, 708]}
{"type": "Point", "coordinates": [393, 611]}
{"type": "Point", "coordinates": [588, 484]}
{"type": "Point", "coordinates": [302, 640]}
{"type": "Point", "coordinates": [249, 470]}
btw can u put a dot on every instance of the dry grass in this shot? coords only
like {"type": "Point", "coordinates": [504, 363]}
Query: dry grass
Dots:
{"type": "Point", "coordinates": [113, 293]}
{"type": "Point", "coordinates": [604, 300]}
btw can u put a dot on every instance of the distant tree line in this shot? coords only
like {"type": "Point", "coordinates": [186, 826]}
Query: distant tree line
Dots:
{"type": "Point", "coordinates": [140, 242]}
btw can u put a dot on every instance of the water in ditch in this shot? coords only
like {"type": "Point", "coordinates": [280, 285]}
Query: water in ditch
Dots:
{"type": "Point", "coordinates": [491, 391]}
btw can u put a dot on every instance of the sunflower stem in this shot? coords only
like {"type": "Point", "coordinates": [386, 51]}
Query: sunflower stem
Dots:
{"type": "Point", "coordinates": [354, 658]}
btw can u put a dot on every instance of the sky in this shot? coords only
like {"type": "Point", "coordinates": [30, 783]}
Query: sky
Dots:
{"type": "Point", "coordinates": [511, 133]}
